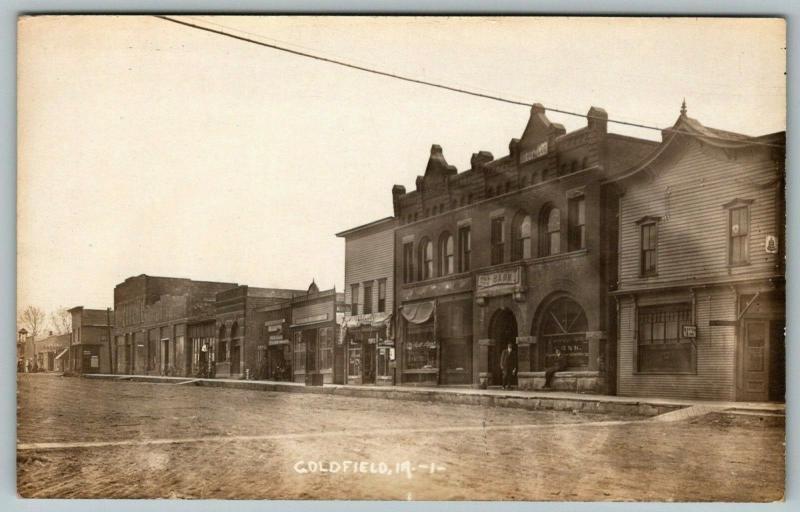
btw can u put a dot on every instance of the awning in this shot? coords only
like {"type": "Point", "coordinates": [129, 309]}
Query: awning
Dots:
{"type": "Point", "coordinates": [418, 313]}
{"type": "Point", "coordinates": [61, 354]}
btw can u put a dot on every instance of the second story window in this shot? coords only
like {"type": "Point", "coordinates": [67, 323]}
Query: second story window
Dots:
{"type": "Point", "coordinates": [577, 223]}
{"type": "Point", "coordinates": [425, 259]}
{"type": "Point", "coordinates": [549, 231]}
{"type": "Point", "coordinates": [739, 234]}
{"type": "Point", "coordinates": [649, 247]}
{"type": "Point", "coordinates": [367, 298]}
{"type": "Point", "coordinates": [464, 248]}
{"type": "Point", "coordinates": [522, 238]}
{"type": "Point", "coordinates": [446, 255]}
{"type": "Point", "coordinates": [382, 296]}
{"type": "Point", "coordinates": [354, 299]}
{"type": "Point", "coordinates": [498, 240]}
{"type": "Point", "coordinates": [408, 262]}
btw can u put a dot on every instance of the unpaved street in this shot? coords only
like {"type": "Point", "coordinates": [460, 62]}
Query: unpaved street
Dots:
{"type": "Point", "coordinates": [169, 440]}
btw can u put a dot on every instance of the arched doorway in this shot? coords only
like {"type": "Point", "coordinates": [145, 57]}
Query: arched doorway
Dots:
{"type": "Point", "coordinates": [503, 331]}
{"type": "Point", "coordinates": [563, 327]}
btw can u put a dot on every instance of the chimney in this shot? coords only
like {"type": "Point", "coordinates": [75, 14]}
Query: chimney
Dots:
{"type": "Point", "coordinates": [597, 119]}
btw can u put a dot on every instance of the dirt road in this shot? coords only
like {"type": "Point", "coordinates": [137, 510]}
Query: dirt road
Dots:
{"type": "Point", "coordinates": [138, 440]}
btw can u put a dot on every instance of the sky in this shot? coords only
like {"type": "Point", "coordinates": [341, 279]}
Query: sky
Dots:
{"type": "Point", "coordinates": [146, 147]}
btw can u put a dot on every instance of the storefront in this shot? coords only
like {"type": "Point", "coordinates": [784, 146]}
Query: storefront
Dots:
{"type": "Point", "coordinates": [369, 357]}
{"type": "Point", "coordinates": [313, 336]}
{"type": "Point", "coordinates": [277, 352]}
{"type": "Point", "coordinates": [200, 349]}
{"type": "Point", "coordinates": [437, 341]}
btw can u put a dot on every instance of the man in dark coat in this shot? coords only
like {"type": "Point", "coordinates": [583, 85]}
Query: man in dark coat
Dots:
{"type": "Point", "coordinates": [559, 364]}
{"type": "Point", "coordinates": [507, 366]}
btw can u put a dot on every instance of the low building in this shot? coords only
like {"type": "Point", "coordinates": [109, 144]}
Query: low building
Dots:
{"type": "Point", "coordinates": [701, 291]}
{"type": "Point", "coordinates": [317, 351]}
{"type": "Point", "coordinates": [90, 345]}
{"type": "Point", "coordinates": [369, 351]}
{"type": "Point", "coordinates": [153, 318]}
{"type": "Point", "coordinates": [276, 342]}
{"type": "Point", "coordinates": [51, 352]}
{"type": "Point", "coordinates": [239, 350]}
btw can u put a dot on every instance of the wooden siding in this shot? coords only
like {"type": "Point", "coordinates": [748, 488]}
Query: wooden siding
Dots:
{"type": "Point", "coordinates": [716, 348]}
{"type": "Point", "coordinates": [693, 229]}
{"type": "Point", "coordinates": [370, 258]}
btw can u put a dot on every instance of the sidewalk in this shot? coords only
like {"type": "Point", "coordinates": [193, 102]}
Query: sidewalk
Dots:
{"type": "Point", "coordinates": [557, 400]}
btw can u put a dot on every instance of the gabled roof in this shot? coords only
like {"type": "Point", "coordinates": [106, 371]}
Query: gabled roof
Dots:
{"type": "Point", "coordinates": [688, 128]}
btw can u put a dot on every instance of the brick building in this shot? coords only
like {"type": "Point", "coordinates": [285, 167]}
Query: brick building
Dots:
{"type": "Point", "coordinates": [513, 251]}
{"type": "Point", "coordinates": [153, 318]}
{"type": "Point", "coordinates": [701, 267]}
{"type": "Point", "coordinates": [90, 347]}
{"type": "Point", "coordinates": [369, 293]}
{"type": "Point", "coordinates": [240, 346]}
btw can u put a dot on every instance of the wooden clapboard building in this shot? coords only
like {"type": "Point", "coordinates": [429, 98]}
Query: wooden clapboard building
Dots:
{"type": "Point", "coordinates": [701, 267]}
{"type": "Point", "coordinates": [512, 251]}
{"type": "Point", "coordinates": [367, 332]}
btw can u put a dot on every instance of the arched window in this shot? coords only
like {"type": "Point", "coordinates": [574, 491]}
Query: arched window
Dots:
{"type": "Point", "coordinates": [425, 259]}
{"type": "Point", "coordinates": [563, 331]}
{"type": "Point", "coordinates": [522, 237]}
{"type": "Point", "coordinates": [446, 254]}
{"type": "Point", "coordinates": [549, 231]}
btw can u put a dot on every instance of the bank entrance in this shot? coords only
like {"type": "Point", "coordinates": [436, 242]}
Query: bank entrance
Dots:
{"type": "Point", "coordinates": [502, 332]}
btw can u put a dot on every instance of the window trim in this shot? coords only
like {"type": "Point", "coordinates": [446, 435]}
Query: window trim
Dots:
{"type": "Point", "coordinates": [729, 207]}
{"type": "Point", "coordinates": [426, 272]}
{"type": "Point", "coordinates": [462, 267]}
{"type": "Point", "coordinates": [499, 244]}
{"type": "Point", "coordinates": [572, 223]}
{"type": "Point", "coordinates": [545, 241]}
{"type": "Point", "coordinates": [647, 220]}
{"type": "Point", "coordinates": [637, 311]}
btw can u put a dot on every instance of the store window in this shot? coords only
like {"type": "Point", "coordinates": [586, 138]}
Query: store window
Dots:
{"type": "Point", "coordinates": [222, 346]}
{"type": "Point", "coordinates": [408, 262]}
{"type": "Point", "coordinates": [326, 348]}
{"type": "Point", "coordinates": [577, 223]}
{"type": "Point", "coordinates": [498, 240]}
{"type": "Point", "coordinates": [660, 343]}
{"type": "Point", "coordinates": [549, 231]}
{"type": "Point", "coordinates": [299, 352]}
{"type": "Point", "coordinates": [354, 352]}
{"type": "Point", "coordinates": [738, 233]}
{"type": "Point", "coordinates": [420, 347]}
{"type": "Point", "coordinates": [446, 255]}
{"type": "Point", "coordinates": [367, 298]}
{"type": "Point", "coordinates": [382, 296]}
{"type": "Point", "coordinates": [522, 237]}
{"type": "Point", "coordinates": [464, 248]}
{"type": "Point", "coordinates": [425, 259]}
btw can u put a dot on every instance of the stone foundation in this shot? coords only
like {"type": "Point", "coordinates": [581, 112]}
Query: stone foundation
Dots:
{"type": "Point", "coordinates": [580, 382]}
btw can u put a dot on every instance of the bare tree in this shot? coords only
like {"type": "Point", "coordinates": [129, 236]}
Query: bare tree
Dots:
{"type": "Point", "coordinates": [32, 319]}
{"type": "Point", "coordinates": [61, 321]}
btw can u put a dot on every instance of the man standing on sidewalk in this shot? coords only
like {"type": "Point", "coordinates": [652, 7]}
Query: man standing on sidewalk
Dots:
{"type": "Point", "coordinates": [507, 366]}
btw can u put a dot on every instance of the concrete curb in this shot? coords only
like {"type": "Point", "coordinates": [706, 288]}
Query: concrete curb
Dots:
{"type": "Point", "coordinates": [672, 410]}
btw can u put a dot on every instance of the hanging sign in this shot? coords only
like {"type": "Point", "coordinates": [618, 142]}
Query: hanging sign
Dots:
{"type": "Point", "coordinates": [689, 331]}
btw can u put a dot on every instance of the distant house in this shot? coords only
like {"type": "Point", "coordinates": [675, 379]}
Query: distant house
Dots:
{"type": "Point", "coordinates": [89, 340]}
{"type": "Point", "coordinates": [51, 351]}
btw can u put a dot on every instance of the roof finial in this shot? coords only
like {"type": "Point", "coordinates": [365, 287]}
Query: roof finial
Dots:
{"type": "Point", "coordinates": [683, 107]}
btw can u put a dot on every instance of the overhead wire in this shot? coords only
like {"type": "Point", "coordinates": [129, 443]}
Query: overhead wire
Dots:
{"type": "Point", "coordinates": [419, 81]}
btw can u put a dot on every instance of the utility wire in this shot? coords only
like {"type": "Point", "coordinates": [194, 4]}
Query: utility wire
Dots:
{"type": "Point", "coordinates": [438, 85]}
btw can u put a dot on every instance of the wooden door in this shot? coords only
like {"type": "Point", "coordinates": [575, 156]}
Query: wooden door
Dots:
{"type": "Point", "coordinates": [754, 361]}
